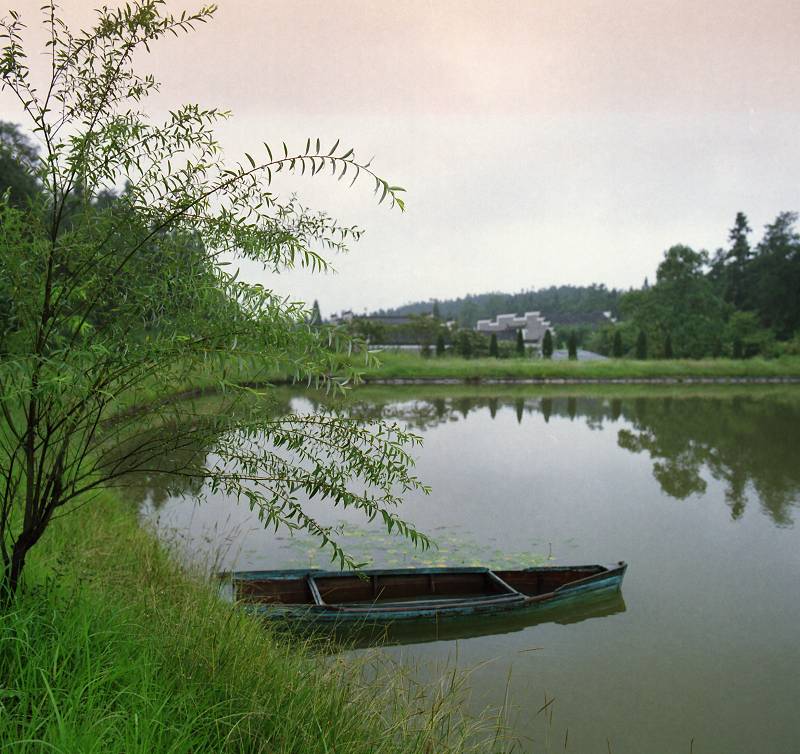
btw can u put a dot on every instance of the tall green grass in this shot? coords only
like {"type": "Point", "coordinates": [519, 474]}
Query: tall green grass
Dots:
{"type": "Point", "coordinates": [111, 647]}
{"type": "Point", "coordinates": [410, 366]}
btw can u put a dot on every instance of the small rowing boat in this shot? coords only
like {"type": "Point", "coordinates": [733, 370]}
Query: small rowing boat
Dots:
{"type": "Point", "coordinates": [415, 593]}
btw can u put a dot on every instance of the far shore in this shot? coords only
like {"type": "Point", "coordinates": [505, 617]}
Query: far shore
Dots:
{"type": "Point", "coordinates": [585, 381]}
{"type": "Point", "coordinates": [411, 368]}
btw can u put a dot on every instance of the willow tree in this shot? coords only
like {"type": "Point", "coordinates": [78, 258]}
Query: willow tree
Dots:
{"type": "Point", "coordinates": [126, 292]}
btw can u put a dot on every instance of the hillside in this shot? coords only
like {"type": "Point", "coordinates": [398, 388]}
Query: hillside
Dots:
{"type": "Point", "coordinates": [558, 303]}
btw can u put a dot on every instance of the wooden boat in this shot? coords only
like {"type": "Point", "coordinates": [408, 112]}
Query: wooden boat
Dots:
{"type": "Point", "coordinates": [415, 593]}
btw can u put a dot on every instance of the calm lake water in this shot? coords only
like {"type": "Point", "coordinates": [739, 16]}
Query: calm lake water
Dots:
{"type": "Point", "coordinates": [699, 490]}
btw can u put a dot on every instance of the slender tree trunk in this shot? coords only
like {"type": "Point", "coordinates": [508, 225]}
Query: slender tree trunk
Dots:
{"type": "Point", "coordinates": [10, 578]}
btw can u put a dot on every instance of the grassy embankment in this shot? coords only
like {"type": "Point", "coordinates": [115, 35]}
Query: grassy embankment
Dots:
{"type": "Point", "coordinates": [112, 648]}
{"type": "Point", "coordinates": [412, 366]}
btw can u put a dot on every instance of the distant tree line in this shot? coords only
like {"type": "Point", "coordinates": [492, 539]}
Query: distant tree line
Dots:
{"type": "Point", "coordinates": [436, 337]}
{"type": "Point", "coordinates": [556, 301]}
{"type": "Point", "coordinates": [742, 301]}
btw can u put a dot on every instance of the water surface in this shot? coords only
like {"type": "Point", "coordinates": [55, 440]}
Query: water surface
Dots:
{"type": "Point", "coordinates": [699, 490]}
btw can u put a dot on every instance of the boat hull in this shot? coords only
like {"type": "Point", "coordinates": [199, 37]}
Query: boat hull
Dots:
{"type": "Point", "coordinates": [263, 592]}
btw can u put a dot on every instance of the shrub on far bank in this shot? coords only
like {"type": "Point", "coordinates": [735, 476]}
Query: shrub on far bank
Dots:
{"type": "Point", "coordinates": [572, 346]}
{"type": "Point", "coordinates": [641, 345]}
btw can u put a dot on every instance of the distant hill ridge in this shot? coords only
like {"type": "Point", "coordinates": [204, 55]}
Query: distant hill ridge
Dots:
{"type": "Point", "coordinates": [563, 304]}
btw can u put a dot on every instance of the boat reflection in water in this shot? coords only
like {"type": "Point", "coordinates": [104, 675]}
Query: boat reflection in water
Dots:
{"type": "Point", "coordinates": [600, 605]}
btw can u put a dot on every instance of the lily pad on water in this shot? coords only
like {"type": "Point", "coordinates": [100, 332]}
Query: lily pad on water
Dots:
{"type": "Point", "coordinates": [376, 548]}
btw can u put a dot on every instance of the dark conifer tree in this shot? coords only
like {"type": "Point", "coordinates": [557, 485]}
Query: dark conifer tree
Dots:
{"type": "Point", "coordinates": [572, 346]}
{"type": "Point", "coordinates": [641, 345]}
{"type": "Point", "coordinates": [316, 317]}
{"type": "Point", "coordinates": [736, 261]}
{"type": "Point", "coordinates": [440, 344]}
{"type": "Point", "coordinates": [668, 347]}
{"type": "Point", "coordinates": [520, 344]}
{"type": "Point", "coordinates": [547, 345]}
{"type": "Point", "coordinates": [493, 352]}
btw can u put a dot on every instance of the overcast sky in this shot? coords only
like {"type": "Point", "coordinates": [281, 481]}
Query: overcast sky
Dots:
{"type": "Point", "coordinates": [540, 142]}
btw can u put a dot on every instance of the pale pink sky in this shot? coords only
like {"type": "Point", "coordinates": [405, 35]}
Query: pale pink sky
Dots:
{"type": "Point", "coordinates": [541, 142]}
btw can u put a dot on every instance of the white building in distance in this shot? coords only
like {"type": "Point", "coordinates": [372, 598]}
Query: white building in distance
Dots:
{"type": "Point", "coordinates": [505, 326]}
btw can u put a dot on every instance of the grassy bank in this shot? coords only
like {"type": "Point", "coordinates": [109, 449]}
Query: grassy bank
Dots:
{"type": "Point", "coordinates": [112, 648]}
{"type": "Point", "coordinates": [412, 366]}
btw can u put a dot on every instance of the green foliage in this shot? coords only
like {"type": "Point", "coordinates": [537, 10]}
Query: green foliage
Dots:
{"type": "Point", "coordinates": [641, 345]}
{"type": "Point", "coordinates": [731, 267]}
{"type": "Point", "coordinates": [581, 333]}
{"type": "Point", "coordinates": [463, 344]}
{"type": "Point", "coordinates": [750, 292]}
{"type": "Point", "coordinates": [790, 347]}
{"type": "Point", "coordinates": [774, 277]}
{"type": "Point", "coordinates": [616, 349]}
{"type": "Point", "coordinates": [418, 331]}
{"type": "Point", "coordinates": [368, 330]}
{"type": "Point", "coordinates": [520, 344]}
{"type": "Point", "coordinates": [572, 346]}
{"type": "Point", "coordinates": [746, 336]}
{"type": "Point", "coordinates": [547, 345]}
{"type": "Point", "coordinates": [470, 344]}
{"type": "Point", "coordinates": [668, 347]}
{"type": "Point", "coordinates": [493, 351]}
{"type": "Point", "coordinates": [18, 164]}
{"type": "Point", "coordinates": [440, 346]}
{"type": "Point", "coordinates": [119, 292]}
{"type": "Point", "coordinates": [682, 304]}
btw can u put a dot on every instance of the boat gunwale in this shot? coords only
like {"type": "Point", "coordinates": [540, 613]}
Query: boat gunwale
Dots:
{"type": "Point", "coordinates": [421, 608]}
{"type": "Point", "coordinates": [299, 573]}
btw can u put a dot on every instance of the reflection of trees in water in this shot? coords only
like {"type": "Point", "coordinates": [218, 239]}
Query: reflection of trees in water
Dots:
{"type": "Point", "coordinates": [547, 408]}
{"type": "Point", "coordinates": [741, 441]}
{"type": "Point", "coordinates": [745, 441]}
{"type": "Point", "coordinates": [158, 481]}
{"type": "Point", "coordinates": [158, 463]}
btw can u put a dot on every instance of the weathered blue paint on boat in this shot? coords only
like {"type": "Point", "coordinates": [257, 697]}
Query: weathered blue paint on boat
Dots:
{"type": "Point", "coordinates": [403, 594]}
